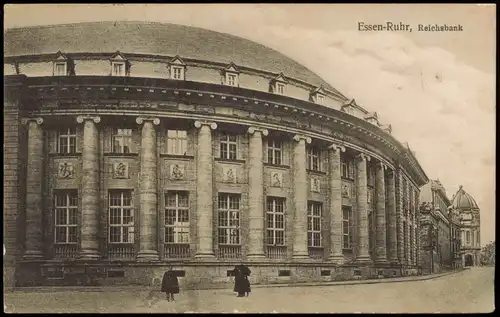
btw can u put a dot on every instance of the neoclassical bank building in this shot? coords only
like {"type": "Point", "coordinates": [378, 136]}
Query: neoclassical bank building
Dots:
{"type": "Point", "coordinates": [130, 147]}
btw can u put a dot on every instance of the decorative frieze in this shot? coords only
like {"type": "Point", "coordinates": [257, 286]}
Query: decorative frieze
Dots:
{"type": "Point", "coordinates": [276, 179]}
{"type": "Point", "coordinates": [65, 170]}
{"type": "Point", "coordinates": [120, 170]}
{"type": "Point", "coordinates": [315, 185]}
{"type": "Point", "coordinates": [177, 171]}
{"type": "Point", "coordinates": [229, 174]}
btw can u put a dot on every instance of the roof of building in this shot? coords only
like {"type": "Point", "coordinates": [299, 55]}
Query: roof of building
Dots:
{"type": "Point", "coordinates": [463, 201]}
{"type": "Point", "coordinates": [156, 39]}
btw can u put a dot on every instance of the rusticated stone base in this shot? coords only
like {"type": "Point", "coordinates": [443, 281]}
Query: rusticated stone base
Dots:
{"type": "Point", "coordinates": [193, 274]}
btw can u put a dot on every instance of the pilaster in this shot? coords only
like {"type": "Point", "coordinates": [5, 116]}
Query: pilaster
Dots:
{"type": "Point", "coordinates": [300, 197]}
{"type": "Point", "coordinates": [256, 194]}
{"type": "Point", "coordinates": [204, 189]}
{"type": "Point", "coordinates": [89, 243]}
{"type": "Point", "coordinates": [34, 183]}
{"type": "Point", "coordinates": [148, 200]}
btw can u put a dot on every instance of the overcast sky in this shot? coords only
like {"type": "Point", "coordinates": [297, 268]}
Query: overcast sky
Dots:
{"type": "Point", "coordinates": [436, 89]}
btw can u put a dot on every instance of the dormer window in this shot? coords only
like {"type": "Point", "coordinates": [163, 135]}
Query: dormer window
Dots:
{"type": "Point", "coordinates": [278, 85]}
{"type": "Point", "coordinates": [119, 65]}
{"type": "Point", "coordinates": [177, 68]}
{"type": "Point", "coordinates": [320, 99]}
{"type": "Point", "coordinates": [372, 118]}
{"type": "Point", "coordinates": [318, 96]}
{"type": "Point", "coordinates": [349, 107]}
{"type": "Point", "coordinates": [231, 75]}
{"type": "Point", "coordinates": [60, 65]}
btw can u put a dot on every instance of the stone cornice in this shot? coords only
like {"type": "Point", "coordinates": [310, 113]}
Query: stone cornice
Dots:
{"type": "Point", "coordinates": [105, 89]}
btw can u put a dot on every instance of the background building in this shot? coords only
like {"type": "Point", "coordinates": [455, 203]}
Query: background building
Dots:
{"type": "Point", "coordinates": [438, 230]}
{"type": "Point", "coordinates": [466, 207]}
{"type": "Point", "coordinates": [132, 145]}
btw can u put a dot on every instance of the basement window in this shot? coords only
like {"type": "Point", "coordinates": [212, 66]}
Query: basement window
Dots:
{"type": "Point", "coordinates": [230, 273]}
{"type": "Point", "coordinates": [116, 273]}
{"type": "Point", "coordinates": [357, 272]}
{"type": "Point", "coordinates": [284, 273]}
{"type": "Point", "coordinates": [55, 273]}
{"type": "Point", "coordinates": [180, 273]}
{"type": "Point", "coordinates": [325, 272]}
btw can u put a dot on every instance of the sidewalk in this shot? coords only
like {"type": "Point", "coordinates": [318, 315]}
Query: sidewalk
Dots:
{"type": "Point", "coordinates": [304, 284]}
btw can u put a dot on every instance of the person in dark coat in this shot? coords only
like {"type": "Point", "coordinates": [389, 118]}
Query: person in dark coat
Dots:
{"type": "Point", "coordinates": [241, 282]}
{"type": "Point", "coordinates": [170, 284]}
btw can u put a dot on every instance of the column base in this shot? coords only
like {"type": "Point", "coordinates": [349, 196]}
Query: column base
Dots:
{"type": "Point", "coordinates": [33, 255]}
{"type": "Point", "coordinates": [89, 255]}
{"type": "Point", "coordinates": [301, 255]}
{"type": "Point", "coordinates": [337, 259]}
{"type": "Point", "coordinates": [363, 259]}
{"type": "Point", "coordinates": [204, 255]}
{"type": "Point", "coordinates": [147, 256]}
{"type": "Point", "coordinates": [254, 257]}
{"type": "Point", "coordinates": [381, 261]}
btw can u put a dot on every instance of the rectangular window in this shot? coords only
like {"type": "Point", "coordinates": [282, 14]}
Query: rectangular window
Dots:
{"type": "Point", "coordinates": [66, 217]}
{"type": "Point", "coordinates": [121, 216]}
{"type": "Point", "coordinates": [313, 162]}
{"type": "Point", "coordinates": [66, 140]}
{"type": "Point", "coordinates": [274, 152]}
{"type": "Point", "coordinates": [118, 69]}
{"type": "Point", "coordinates": [280, 88]}
{"type": "Point", "coordinates": [467, 237]}
{"type": "Point", "coordinates": [314, 215]}
{"type": "Point", "coordinates": [320, 99]}
{"type": "Point", "coordinates": [229, 219]}
{"type": "Point", "coordinates": [228, 146]}
{"type": "Point", "coordinates": [60, 69]}
{"type": "Point", "coordinates": [177, 72]}
{"type": "Point", "coordinates": [122, 140]}
{"type": "Point", "coordinates": [275, 219]}
{"type": "Point", "coordinates": [405, 240]}
{"type": "Point", "coordinates": [347, 168]}
{"type": "Point", "coordinates": [177, 217]}
{"type": "Point", "coordinates": [346, 227]}
{"type": "Point", "coordinates": [232, 79]}
{"type": "Point", "coordinates": [177, 142]}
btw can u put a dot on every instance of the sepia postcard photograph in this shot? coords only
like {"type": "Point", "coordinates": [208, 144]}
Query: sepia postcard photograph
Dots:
{"type": "Point", "coordinates": [249, 158]}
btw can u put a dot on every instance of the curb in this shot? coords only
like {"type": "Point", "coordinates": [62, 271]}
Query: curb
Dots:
{"type": "Point", "coordinates": [49, 289]}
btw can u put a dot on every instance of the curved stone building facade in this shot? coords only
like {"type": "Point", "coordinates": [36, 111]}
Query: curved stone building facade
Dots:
{"type": "Point", "coordinates": [130, 146]}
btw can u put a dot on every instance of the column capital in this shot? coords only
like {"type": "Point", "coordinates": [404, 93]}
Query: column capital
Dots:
{"type": "Point", "coordinates": [299, 137]}
{"type": "Point", "coordinates": [198, 124]}
{"type": "Point", "coordinates": [336, 147]}
{"type": "Point", "coordinates": [141, 120]}
{"type": "Point", "coordinates": [381, 165]}
{"type": "Point", "coordinates": [364, 157]}
{"type": "Point", "coordinates": [25, 121]}
{"type": "Point", "coordinates": [82, 118]}
{"type": "Point", "coordinates": [252, 130]}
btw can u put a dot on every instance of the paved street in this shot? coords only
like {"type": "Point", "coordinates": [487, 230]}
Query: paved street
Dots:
{"type": "Point", "coordinates": [470, 291]}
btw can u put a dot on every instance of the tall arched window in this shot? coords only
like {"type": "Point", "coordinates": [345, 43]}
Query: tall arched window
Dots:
{"type": "Point", "coordinates": [467, 237]}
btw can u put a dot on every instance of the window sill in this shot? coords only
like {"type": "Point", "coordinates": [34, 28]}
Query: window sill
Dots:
{"type": "Point", "coordinates": [277, 165]}
{"type": "Point", "coordinates": [218, 159]}
{"type": "Point", "coordinates": [176, 156]}
{"type": "Point", "coordinates": [315, 172]}
{"type": "Point", "coordinates": [121, 154]}
{"type": "Point", "coordinates": [66, 154]}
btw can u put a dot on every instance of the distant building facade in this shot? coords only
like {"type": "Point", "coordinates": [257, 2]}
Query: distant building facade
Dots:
{"type": "Point", "coordinates": [439, 247]}
{"type": "Point", "coordinates": [465, 207]}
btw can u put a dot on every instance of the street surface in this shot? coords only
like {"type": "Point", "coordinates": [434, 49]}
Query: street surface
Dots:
{"type": "Point", "coordinates": [470, 291]}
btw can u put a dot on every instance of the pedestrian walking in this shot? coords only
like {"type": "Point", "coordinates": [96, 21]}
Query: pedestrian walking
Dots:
{"type": "Point", "coordinates": [170, 284]}
{"type": "Point", "coordinates": [241, 282]}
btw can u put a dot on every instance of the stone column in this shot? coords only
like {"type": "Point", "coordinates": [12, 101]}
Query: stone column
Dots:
{"type": "Point", "coordinates": [256, 194]}
{"type": "Point", "coordinates": [336, 255]}
{"type": "Point", "coordinates": [89, 242]}
{"type": "Point", "coordinates": [204, 189]}
{"type": "Point", "coordinates": [300, 196]}
{"type": "Point", "coordinates": [380, 221]}
{"type": "Point", "coordinates": [148, 195]}
{"type": "Point", "coordinates": [362, 203]}
{"type": "Point", "coordinates": [392, 220]}
{"type": "Point", "coordinates": [34, 181]}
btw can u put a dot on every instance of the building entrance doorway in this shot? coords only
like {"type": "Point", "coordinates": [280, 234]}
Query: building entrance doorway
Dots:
{"type": "Point", "coordinates": [468, 260]}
